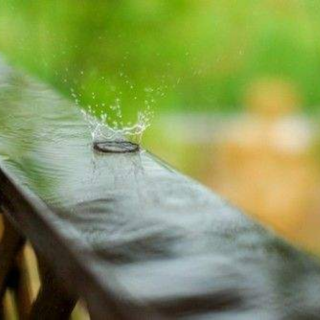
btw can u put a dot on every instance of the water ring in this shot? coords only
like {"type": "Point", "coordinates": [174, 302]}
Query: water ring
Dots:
{"type": "Point", "coordinates": [116, 146]}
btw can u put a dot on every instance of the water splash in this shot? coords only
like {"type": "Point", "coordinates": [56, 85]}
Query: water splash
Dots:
{"type": "Point", "coordinates": [104, 114]}
{"type": "Point", "coordinates": [101, 130]}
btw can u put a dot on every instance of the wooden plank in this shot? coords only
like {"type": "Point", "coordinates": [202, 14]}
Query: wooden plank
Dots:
{"type": "Point", "coordinates": [134, 238]}
{"type": "Point", "coordinates": [72, 261]}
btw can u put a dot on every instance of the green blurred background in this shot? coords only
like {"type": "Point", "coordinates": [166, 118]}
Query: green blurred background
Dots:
{"type": "Point", "coordinates": [200, 53]}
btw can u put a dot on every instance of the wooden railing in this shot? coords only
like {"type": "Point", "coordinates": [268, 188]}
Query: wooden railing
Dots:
{"type": "Point", "coordinates": [125, 233]}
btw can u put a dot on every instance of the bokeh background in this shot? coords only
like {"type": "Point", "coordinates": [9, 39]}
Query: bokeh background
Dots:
{"type": "Point", "coordinates": [234, 87]}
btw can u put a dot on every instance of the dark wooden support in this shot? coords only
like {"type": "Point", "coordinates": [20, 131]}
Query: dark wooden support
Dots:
{"type": "Point", "coordinates": [1, 311]}
{"type": "Point", "coordinates": [53, 301]}
{"type": "Point", "coordinates": [10, 245]}
{"type": "Point", "coordinates": [1, 226]}
{"type": "Point", "coordinates": [21, 287]}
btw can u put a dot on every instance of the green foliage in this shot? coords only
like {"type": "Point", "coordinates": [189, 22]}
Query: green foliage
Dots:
{"type": "Point", "coordinates": [192, 55]}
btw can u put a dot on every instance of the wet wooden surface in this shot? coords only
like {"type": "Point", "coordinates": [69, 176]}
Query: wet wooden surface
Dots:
{"type": "Point", "coordinates": [130, 235]}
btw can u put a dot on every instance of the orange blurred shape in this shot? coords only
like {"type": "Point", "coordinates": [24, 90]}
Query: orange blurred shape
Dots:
{"type": "Point", "coordinates": [265, 163]}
